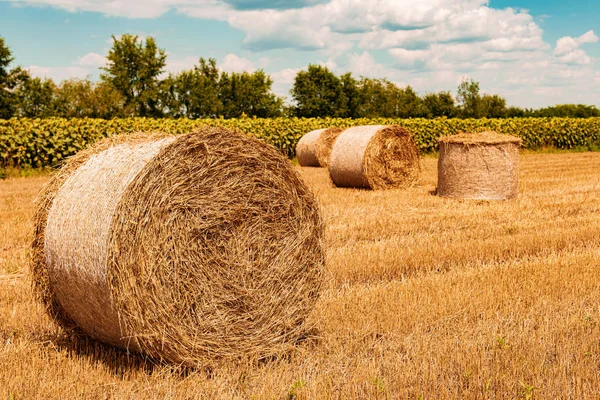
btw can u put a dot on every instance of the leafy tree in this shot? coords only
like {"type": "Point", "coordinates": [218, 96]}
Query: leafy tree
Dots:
{"type": "Point", "coordinates": [194, 93]}
{"type": "Point", "coordinates": [133, 69]}
{"type": "Point", "coordinates": [469, 99]}
{"type": "Point", "coordinates": [376, 98]}
{"type": "Point", "coordinates": [493, 106]}
{"type": "Point", "coordinates": [351, 93]}
{"type": "Point", "coordinates": [568, 110]}
{"type": "Point", "coordinates": [440, 104]}
{"type": "Point", "coordinates": [317, 92]}
{"type": "Point", "coordinates": [382, 98]}
{"type": "Point", "coordinates": [409, 104]}
{"type": "Point", "coordinates": [79, 98]}
{"type": "Point", "coordinates": [248, 94]}
{"type": "Point", "coordinates": [35, 98]}
{"type": "Point", "coordinates": [517, 112]}
{"type": "Point", "coordinates": [9, 80]}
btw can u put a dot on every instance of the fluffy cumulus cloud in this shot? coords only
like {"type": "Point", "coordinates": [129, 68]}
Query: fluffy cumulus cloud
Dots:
{"type": "Point", "coordinates": [568, 50]}
{"type": "Point", "coordinates": [271, 4]}
{"type": "Point", "coordinates": [234, 63]}
{"type": "Point", "coordinates": [58, 73]}
{"type": "Point", "coordinates": [91, 60]}
{"type": "Point", "coordinates": [431, 44]}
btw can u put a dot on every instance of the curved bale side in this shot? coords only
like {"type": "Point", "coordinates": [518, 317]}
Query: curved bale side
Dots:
{"type": "Point", "coordinates": [375, 157]}
{"type": "Point", "coordinates": [479, 166]}
{"type": "Point", "coordinates": [306, 149]}
{"type": "Point", "coordinates": [325, 143]}
{"type": "Point", "coordinates": [189, 249]}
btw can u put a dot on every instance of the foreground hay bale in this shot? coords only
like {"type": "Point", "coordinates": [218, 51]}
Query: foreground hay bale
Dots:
{"type": "Point", "coordinates": [189, 249]}
{"type": "Point", "coordinates": [306, 149]}
{"type": "Point", "coordinates": [482, 166]}
{"type": "Point", "coordinates": [324, 145]}
{"type": "Point", "coordinates": [376, 157]}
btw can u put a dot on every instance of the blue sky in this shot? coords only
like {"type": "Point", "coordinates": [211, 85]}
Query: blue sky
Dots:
{"type": "Point", "coordinates": [534, 53]}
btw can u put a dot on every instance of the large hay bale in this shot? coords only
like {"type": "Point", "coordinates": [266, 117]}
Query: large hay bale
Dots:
{"type": "Point", "coordinates": [324, 145]}
{"type": "Point", "coordinates": [482, 166]}
{"type": "Point", "coordinates": [306, 149]}
{"type": "Point", "coordinates": [190, 249]}
{"type": "Point", "coordinates": [376, 157]}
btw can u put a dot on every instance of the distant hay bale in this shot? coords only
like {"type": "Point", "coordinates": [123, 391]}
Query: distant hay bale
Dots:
{"type": "Point", "coordinates": [324, 145]}
{"type": "Point", "coordinates": [306, 149]}
{"type": "Point", "coordinates": [189, 249]}
{"type": "Point", "coordinates": [376, 157]}
{"type": "Point", "coordinates": [482, 166]}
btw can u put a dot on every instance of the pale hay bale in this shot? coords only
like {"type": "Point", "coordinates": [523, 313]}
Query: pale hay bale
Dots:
{"type": "Point", "coordinates": [306, 149]}
{"type": "Point", "coordinates": [376, 157]}
{"type": "Point", "coordinates": [325, 143]}
{"type": "Point", "coordinates": [190, 249]}
{"type": "Point", "coordinates": [481, 166]}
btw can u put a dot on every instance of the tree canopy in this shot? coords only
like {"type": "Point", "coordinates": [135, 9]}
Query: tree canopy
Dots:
{"type": "Point", "coordinates": [134, 83]}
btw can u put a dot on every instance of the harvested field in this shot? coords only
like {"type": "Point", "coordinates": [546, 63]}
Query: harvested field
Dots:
{"type": "Point", "coordinates": [426, 297]}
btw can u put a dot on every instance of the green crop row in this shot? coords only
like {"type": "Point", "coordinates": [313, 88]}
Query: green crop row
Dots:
{"type": "Point", "coordinates": [47, 142]}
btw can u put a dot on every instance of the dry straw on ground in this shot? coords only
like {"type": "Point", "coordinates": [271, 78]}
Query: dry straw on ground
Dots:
{"type": "Point", "coordinates": [190, 249]}
{"type": "Point", "coordinates": [306, 149]}
{"type": "Point", "coordinates": [325, 143]}
{"type": "Point", "coordinates": [376, 157]}
{"type": "Point", "coordinates": [483, 166]}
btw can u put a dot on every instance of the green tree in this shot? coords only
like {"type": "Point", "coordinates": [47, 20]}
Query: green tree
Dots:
{"type": "Point", "coordinates": [493, 106]}
{"type": "Point", "coordinates": [79, 98]}
{"type": "Point", "coordinates": [133, 69]}
{"type": "Point", "coordinates": [376, 98]}
{"type": "Point", "coordinates": [35, 98]}
{"type": "Point", "coordinates": [382, 98]}
{"type": "Point", "coordinates": [408, 103]}
{"type": "Point", "coordinates": [568, 110]}
{"type": "Point", "coordinates": [351, 95]}
{"type": "Point", "coordinates": [317, 92]}
{"type": "Point", "coordinates": [9, 80]}
{"type": "Point", "coordinates": [248, 94]}
{"type": "Point", "coordinates": [194, 93]}
{"type": "Point", "coordinates": [469, 99]}
{"type": "Point", "coordinates": [440, 104]}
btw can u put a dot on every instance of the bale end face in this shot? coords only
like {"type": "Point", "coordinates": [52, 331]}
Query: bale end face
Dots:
{"type": "Point", "coordinates": [324, 145]}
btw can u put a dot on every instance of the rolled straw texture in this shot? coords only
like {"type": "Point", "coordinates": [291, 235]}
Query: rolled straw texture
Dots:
{"type": "Point", "coordinates": [375, 157]}
{"type": "Point", "coordinates": [306, 149]}
{"type": "Point", "coordinates": [479, 166]}
{"type": "Point", "coordinates": [189, 249]}
{"type": "Point", "coordinates": [325, 143]}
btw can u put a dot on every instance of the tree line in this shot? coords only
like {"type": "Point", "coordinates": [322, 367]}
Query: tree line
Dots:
{"type": "Point", "coordinates": [134, 83]}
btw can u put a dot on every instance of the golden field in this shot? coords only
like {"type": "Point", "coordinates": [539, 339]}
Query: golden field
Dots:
{"type": "Point", "coordinates": [426, 298]}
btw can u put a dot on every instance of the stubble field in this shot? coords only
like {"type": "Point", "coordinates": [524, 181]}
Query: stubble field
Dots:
{"type": "Point", "coordinates": [425, 298]}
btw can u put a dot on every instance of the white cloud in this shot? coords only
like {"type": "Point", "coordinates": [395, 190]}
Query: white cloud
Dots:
{"type": "Point", "coordinates": [432, 44]}
{"type": "Point", "coordinates": [233, 63]}
{"type": "Point", "coordinates": [329, 64]}
{"type": "Point", "coordinates": [364, 65]}
{"type": "Point", "coordinates": [567, 44]}
{"type": "Point", "coordinates": [285, 76]}
{"type": "Point", "coordinates": [91, 60]}
{"type": "Point", "coordinates": [567, 49]}
{"type": "Point", "coordinates": [175, 65]}
{"type": "Point", "coordinates": [58, 73]}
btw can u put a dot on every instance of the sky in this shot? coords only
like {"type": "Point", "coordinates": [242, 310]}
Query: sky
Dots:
{"type": "Point", "coordinates": [534, 53]}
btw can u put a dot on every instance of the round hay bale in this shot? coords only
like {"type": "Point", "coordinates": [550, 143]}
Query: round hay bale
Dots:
{"type": "Point", "coordinates": [325, 143]}
{"type": "Point", "coordinates": [306, 149]}
{"type": "Point", "coordinates": [479, 166]}
{"type": "Point", "coordinates": [376, 157]}
{"type": "Point", "coordinates": [189, 249]}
